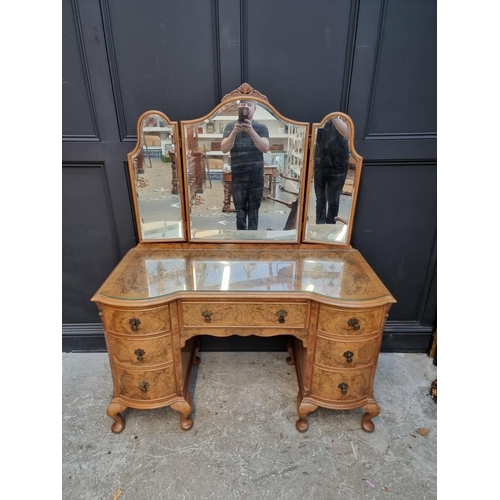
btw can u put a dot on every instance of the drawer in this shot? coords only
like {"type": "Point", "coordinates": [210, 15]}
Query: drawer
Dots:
{"type": "Point", "coordinates": [145, 385]}
{"type": "Point", "coordinates": [333, 353]}
{"type": "Point", "coordinates": [325, 384]}
{"type": "Point", "coordinates": [136, 321]}
{"type": "Point", "coordinates": [350, 321]}
{"type": "Point", "coordinates": [140, 352]}
{"type": "Point", "coordinates": [241, 314]}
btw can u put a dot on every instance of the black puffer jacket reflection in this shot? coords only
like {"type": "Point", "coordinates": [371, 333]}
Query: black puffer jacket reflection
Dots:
{"type": "Point", "coordinates": [332, 149]}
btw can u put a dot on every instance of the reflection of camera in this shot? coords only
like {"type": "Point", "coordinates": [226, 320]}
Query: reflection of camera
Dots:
{"type": "Point", "coordinates": [242, 114]}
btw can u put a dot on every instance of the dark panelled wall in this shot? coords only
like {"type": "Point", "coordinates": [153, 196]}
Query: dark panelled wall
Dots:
{"type": "Point", "coordinates": [372, 59]}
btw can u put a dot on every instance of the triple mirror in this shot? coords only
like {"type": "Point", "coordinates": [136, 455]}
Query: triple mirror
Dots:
{"type": "Point", "coordinates": [242, 173]}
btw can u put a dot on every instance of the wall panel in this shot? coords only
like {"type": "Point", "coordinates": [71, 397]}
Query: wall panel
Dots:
{"type": "Point", "coordinates": [393, 93]}
{"type": "Point", "coordinates": [395, 229]}
{"type": "Point", "coordinates": [89, 249]}
{"type": "Point", "coordinates": [79, 121]}
{"type": "Point", "coordinates": [299, 53]}
{"type": "Point", "coordinates": [164, 57]}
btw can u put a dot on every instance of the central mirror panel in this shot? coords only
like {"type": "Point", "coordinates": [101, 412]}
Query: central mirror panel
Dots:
{"type": "Point", "coordinates": [244, 171]}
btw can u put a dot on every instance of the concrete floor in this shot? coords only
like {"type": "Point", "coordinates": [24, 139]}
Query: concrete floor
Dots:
{"type": "Point", "coordinates": [244, 444]}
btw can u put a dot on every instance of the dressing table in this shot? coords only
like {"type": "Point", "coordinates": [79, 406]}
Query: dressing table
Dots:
{"type": "Point", "coordinates": [193, 273]}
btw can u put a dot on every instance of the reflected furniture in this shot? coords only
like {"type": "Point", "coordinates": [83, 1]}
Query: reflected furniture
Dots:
{"type": "Point", "coordinates": [270, 176]}
{"type": "Point", "coordinates": [194, 278]}
{"type": "Point", "coordinates": [270, 179]}
{"type": "Point", "coordinates": [227, 205]}
{"type": "Point", "coordinates": [175, 180]}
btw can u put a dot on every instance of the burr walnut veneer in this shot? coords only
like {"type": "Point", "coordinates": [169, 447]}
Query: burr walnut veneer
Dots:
{"type": "Point", "coordinates": [193, 273]}
{"type": "Point", "coordinates": [329, 303]}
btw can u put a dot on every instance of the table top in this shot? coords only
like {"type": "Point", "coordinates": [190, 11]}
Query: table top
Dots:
{"type": "Point", "coordinates": [151, 273]}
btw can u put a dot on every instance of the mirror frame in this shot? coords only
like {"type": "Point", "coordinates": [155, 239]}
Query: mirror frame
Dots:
{"type": "Point", "coordinates": [310, 179]}
{"type": "Point", "coordinates": [180, 180]}
{"type": "Point", "coordinates": [245, 92]}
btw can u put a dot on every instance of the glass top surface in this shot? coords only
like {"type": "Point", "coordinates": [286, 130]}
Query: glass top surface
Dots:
{"type": "Point", "coordinates": [152, 273]}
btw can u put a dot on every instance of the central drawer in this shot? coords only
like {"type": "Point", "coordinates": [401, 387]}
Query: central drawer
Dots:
{"type": "Point", "coordinates": [241, 314]}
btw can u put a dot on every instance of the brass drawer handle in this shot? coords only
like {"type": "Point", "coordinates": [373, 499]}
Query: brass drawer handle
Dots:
{"type": "Point", "coordinates": [354, 322]}
{"type": "Point", "coordinates": [139, 353]}
{"type": "Point", "coordinates": [343, 387]}
{"type": "Point", "coordinates": [348, 355]}
{"type": "Point", "coordinates": [207, 315]}
{"type": "Point", "coordinates": [144, 386]}
{"type": "Point", "coordinates": [281, 315]}
{"type": "Point", "coordinates": [134, 324]}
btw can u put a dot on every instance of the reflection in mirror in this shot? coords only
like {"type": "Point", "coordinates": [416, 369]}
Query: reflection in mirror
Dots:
{"type": "Point", "coordinates": [244, 173]}
{"type": "Point", "coordinates": [159, 272]}
{"type": "Point", "coordinates": [334, 181]}
{"type": "Point", "coordinates": [154, 168]}
{"type": "Point", "coordinates": [323, 277]}
{"type": "Point", "coordinates": [165, 276]}
{"type": "Point", "coordinates": [245, 275]}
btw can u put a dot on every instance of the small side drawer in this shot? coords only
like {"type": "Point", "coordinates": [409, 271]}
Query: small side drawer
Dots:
{"type": "Point", "coordinates": [136, 321]}
{"type": "Point", "coordinates": [145, 385]}
{"type": "Point", "coordinates": [145, 352]}
{"type": "Point", "coordinates": [336, 354]}
{"type": "Point", "coordinates": [241, 314]}
{"type": "Point", "coordinates": [350, 321]}
{"type": "Point", "coordinates": [330, 384]}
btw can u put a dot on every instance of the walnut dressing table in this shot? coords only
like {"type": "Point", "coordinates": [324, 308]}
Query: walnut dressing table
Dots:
{"type": "Point", "coordinates": [188, 277]}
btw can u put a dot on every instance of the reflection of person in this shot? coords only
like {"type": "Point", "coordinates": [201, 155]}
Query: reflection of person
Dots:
{"type": "Point", "coordinates": [247, 140]}
{"type": "Point", "coordinates": [331, 162]}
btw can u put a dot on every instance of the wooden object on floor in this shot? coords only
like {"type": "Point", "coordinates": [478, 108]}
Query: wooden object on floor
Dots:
{"type": "Point", "coordinates": [227, 204]}
{"type": "Point", "coordinates": [433, 348]}
{"type": "Point", "coordinates": [175, 180]}
{"type": "Point", "coordinates": [434, 391]}
{"type": "Point", "coordinates": [270, 176]}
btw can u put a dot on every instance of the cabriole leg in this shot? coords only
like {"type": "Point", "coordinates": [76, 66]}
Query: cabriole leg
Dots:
{"type": "Point", "coordinates": [114, 411]}
{"type": "Point", "coordinates": [372, 410]}
{"type": "Point", "coordinates": [303, 410]}
{"type": "Point", "coordinates": [185, 408]}
{"type": "Point", "coordinates": [291, 359]}
{"type": "Point", "coordinates": [196, 358]}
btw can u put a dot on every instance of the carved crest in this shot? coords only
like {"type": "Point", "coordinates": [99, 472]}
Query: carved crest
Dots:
{"type": "Point", "coordinates": [245, 90]}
